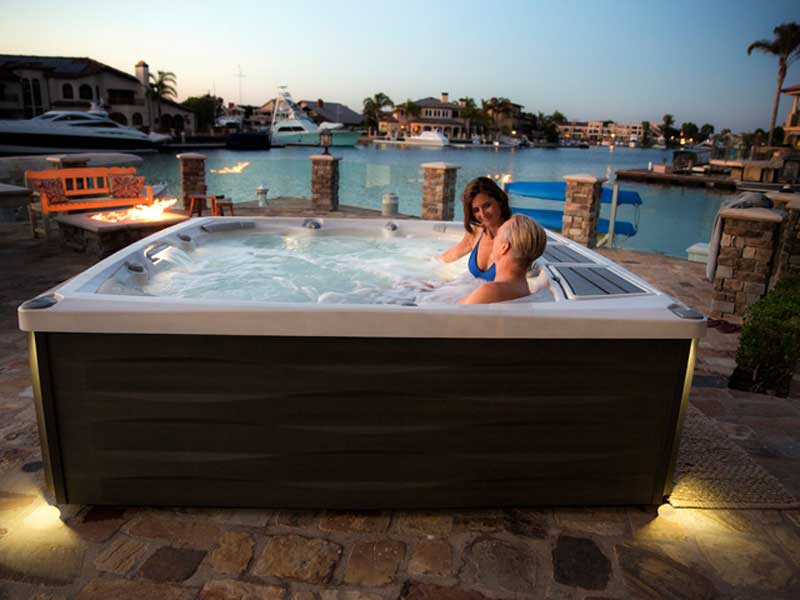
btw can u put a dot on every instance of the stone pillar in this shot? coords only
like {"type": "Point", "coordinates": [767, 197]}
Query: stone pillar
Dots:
{"type": "Point", "coordinates": [787, 256]}
{"type": "Point", "coordinates": [439, 191]}
{"type": "Point", "coordinates": [325, 182]}
{"type": "Point", "coordinates": [193, 176]}
{"type": "Point", "coordinates": [745, 260]}
{"type": "Point", "coordinates": [582, 209]}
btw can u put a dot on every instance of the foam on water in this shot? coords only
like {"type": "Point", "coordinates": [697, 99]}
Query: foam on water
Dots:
{"type": "Point", "coordinates": [342, 269]}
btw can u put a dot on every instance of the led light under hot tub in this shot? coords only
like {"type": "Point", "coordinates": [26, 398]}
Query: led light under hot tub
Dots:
{"type": "Point", "coordinates": [165, 376]}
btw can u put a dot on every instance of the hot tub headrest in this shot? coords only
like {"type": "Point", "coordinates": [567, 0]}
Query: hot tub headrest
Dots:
{"type": "Point", "coordinates": [227, 226]}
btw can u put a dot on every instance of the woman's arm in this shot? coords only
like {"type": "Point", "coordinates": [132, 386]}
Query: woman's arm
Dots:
{"type": "Point", "coordinates": [460, 249]}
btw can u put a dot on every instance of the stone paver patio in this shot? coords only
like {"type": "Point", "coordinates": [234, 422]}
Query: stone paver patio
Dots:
{"type": "Point", "coordinates": [210, 554]}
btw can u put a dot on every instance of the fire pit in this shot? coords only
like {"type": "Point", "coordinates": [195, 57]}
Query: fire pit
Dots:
{"type": "Point", "coordinates": [103, 233]}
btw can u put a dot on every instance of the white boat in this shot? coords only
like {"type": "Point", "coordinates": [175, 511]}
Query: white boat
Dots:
{"type": "Point", "coordinates": [633, 141]}
{"type": "Point", "coordinates": [507, 140]}
{"type": "Point", "coordinates": [62, 131]}
{"type": "Point", "coordinates": [292, 127]}
{"type": "Point", "coordinates": [229, 121]}
{"type": "Point", "coordinates": [428, 138]}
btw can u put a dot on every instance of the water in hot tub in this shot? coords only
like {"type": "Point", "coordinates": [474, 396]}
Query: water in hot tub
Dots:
{"type": "Point", "coordinates": [343, 269]}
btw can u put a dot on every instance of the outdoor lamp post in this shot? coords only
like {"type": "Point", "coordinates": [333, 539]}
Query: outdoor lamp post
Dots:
{"type": "Point", "coordinates": [325, 140]}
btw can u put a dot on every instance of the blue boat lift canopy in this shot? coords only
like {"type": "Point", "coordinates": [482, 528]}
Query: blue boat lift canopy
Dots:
{"type": "Point", "coordinates": [557, 191]}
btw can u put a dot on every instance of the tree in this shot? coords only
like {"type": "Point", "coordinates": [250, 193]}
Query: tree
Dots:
{"type": "Point", "coordinates": [470, 111]}
{"type": "Point", "coordinates": [667, 131]}
{"type": "Point", "coordinates": [410, 108]}
{"type": "Point", "coordinates": [558, 118]}
{"type": "Point", "coordinates": [786, 46]}
{"type": "Point", "coordinates": [706, 131]}
{"type": "Point", "coordinates": [161, 87]}
{"type": "Point", "coordinates": [646, 141]}
{"type": "Point", "coordinates": [690, 131]}
{"type": "Point", "coordinates": [496, 108]}
{"type": "Point", "coordinates": [373, 109]}
{"type": "Point", "coordinates": [205, 110]}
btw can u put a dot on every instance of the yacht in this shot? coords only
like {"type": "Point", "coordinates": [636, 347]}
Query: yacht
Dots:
{"type": "Point", "coordinates": [428, 138]}
{"type": "Point", "coordinates": [73, 131]}
{"type": "Point", "coordinates": [633, 141]}
{"type": "Point", "coordinates": [292, 127]}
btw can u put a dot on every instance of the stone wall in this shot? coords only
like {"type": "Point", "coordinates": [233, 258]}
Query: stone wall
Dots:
{"type": "Point", "coordinates": [787, 258]}
{"type": "Point", "coordinates": [439, 191]}
{"type": "Point", "coordinates": [325, 182]}
{"type": "Point", "coordinates": [582, 209]}
{"type": "Point", "coordinates": [745, 261]}
{"type": "Point", "coordinates": [193, 176]}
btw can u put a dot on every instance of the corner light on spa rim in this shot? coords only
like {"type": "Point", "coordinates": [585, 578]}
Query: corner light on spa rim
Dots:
{"type": "Point", "coordinates": [325, 140]}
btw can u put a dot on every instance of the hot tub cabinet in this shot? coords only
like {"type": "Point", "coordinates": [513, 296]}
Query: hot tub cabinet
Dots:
{"type": "Point", "coordinates": [576, 400]}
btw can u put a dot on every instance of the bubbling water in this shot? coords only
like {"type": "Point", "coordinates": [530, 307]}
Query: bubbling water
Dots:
{"type": "Point", "coordinates": [342, 269]}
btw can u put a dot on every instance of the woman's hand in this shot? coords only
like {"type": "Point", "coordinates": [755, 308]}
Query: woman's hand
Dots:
{"type": "Point", "coordinates": [462, 248]}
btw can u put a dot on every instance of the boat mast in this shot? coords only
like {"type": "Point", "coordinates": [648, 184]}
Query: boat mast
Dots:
{"type": "Point", "coordinates": [277, 105]}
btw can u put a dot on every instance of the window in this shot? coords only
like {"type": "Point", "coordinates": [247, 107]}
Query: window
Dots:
{"type": "Point", "coordinates": [85, 92]}
{"type": "Point", "coordinates": [105, 124]}
{"type": "Point", "coordinates": [137, 119]}
{"type": "Point", "coordinates": [67, 92]}
{"type": "Point", "coordinates": [73, 118]}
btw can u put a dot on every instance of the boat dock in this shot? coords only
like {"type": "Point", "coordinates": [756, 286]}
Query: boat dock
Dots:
{"type": "Point", "coordinates": [647, 176]}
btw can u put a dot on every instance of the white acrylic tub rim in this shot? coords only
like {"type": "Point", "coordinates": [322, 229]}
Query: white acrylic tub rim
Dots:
{"type": "Point", "coordinates": [79, 309]}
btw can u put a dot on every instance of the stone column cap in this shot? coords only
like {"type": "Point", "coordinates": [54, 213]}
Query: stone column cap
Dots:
{"type": "Point", "coordinates": [324, 157]}
{"type": "Point", "coordinates": [783, 197]}
{"type": "Point", "coordinates": [584, 178]}
{"type": "Point", "coordinates": [440, 165]}
{"type": "Point", "coordinates": [191, 156]}
{"type": "Point", "coordinates": [752, 214]}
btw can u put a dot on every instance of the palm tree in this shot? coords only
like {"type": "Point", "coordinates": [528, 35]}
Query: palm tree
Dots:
{"type": "Point", "coordinates": [161, 87]}
{"type": "Point", "coordinates": [470, 111]}
{"type": "Point", "coordinates": [646, 133]}
{"type": "Point", "coordinates": [373, 107]}
{"type": "Point", "coordinates": [786, 46]}
{"type": "Point", "coordinates": [667, 121]}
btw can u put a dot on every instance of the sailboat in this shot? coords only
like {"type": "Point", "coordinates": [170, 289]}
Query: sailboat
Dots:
{"type": "Point", "coordinates": [292, 127]}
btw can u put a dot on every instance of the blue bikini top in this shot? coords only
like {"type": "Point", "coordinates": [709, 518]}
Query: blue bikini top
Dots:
{"type": "Point", "coordinates": [489, 273]}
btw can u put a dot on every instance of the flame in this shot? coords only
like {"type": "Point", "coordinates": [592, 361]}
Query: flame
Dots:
{"type": "Point", "coordinates": [237, 168]}
{"type": "Point", "coordinates": [140, 212]}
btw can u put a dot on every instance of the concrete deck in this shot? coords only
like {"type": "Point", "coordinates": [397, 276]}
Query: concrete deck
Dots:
{"type": "Point", "coordinates": [143, 553]}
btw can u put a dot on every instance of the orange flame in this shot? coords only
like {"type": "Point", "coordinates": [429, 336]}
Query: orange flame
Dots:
{"type": "Point", "coordinates": [237, 168]}
{"type": "Point", "coordinates": [140, 212]}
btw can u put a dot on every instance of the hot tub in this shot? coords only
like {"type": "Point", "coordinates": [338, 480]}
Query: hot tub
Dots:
{"type": "Point", "coordinates": [572, 396]}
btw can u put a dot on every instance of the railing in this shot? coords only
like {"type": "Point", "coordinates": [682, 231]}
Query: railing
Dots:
{"type": "Point", "coordinates": [9, 98]}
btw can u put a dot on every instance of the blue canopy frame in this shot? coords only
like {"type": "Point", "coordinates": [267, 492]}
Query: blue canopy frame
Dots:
{"type": "Point", "coordinates": [557, 191]}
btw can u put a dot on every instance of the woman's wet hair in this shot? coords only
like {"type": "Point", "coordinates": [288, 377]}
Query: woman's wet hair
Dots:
{"type": "Point", "coordinates": [483, 185]}
{"type": "Point", "coordinates": [527, 238]}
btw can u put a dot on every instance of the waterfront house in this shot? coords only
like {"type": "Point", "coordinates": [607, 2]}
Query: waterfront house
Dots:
{"type": "Point", "coordinates": [597, 132]}
{"type": "Point", "coordinates": [433, 115]}
{"type": "Point", "coordinates": [791, 129]}
{"type": "Point", "coordinates": [319, 111]}
{"type": "Point", "coordinates": [32, 85]}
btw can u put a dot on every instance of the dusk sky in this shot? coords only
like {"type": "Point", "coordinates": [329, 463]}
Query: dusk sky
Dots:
{"type": "Point", "coordinates": [622, 60]}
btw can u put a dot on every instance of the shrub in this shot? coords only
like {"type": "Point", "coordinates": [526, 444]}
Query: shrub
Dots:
{"type": "Point", "coordinates": [769, 347]}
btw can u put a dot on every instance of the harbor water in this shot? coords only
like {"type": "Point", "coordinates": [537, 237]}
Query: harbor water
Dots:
{"type": "Point", "coordinates": [670, 219]}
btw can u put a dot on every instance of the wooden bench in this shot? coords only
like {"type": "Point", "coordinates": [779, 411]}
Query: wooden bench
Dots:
{"type": "Point", "coordinates": [85, 188]}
